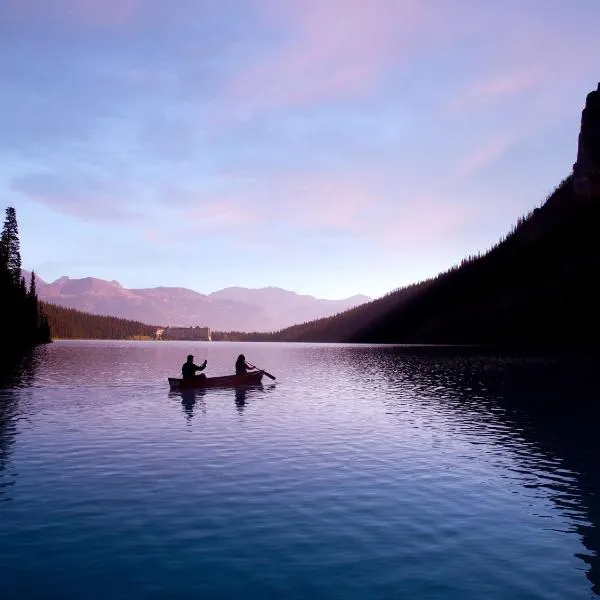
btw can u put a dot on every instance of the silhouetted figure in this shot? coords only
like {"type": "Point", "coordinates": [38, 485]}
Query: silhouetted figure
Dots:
{"type": "Point", "coordinates": [188, 369]}
{"type": "Point", "coordinates": [241, 366]}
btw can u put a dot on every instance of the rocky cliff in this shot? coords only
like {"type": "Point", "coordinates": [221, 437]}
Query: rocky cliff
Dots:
{"type": "Point", "coordinates": [586, 171]}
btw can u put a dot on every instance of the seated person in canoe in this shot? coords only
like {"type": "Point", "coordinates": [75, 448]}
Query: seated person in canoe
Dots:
{"type": "Point", "coordinates": [242, 367]}
{"type": "Point", "coordinates": [188, 369]}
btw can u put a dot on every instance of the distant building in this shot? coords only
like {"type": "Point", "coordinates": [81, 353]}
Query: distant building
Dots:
{"type": "Point", "coordinates": [586, 171]}
{"type": "Point", "coordinates": [184, 333]}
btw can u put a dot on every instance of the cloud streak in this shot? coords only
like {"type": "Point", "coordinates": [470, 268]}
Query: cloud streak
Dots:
{"type": "Point", "coordinates": [492, 88]}
{"type": "Point", "coordinates": [107, 13]}
{"type": "Point", "coordinates": [331, 50]}
{"type": "Point", "coordinates": [82, 196]}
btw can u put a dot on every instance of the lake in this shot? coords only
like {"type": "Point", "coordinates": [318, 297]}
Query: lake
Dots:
{"type": "Point", "coordinates": [363, 472]}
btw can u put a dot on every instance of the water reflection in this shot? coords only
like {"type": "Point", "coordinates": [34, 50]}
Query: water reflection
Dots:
{"type": "Point", "coordinates": [19, 370]}
{"type": "Point", "coordinates": [189, 400]}
{"type": "Point", "coordinates": [244, 393]}
{"type": "Point", "coordinates": [240, 398]}
{"type": "Point", "coordinates": [192, 399]}
{"type": "Point", "coordinates": [15, 372]}
{"type": "Point", "coordinates": [8, 421]}
{"type": "Point", "coordinates": [542, 409]}
{"type": "Point", "coordinates": [533, 421]}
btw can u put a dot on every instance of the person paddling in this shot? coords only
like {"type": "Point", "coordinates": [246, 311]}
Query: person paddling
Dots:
{"type": "Point", "coordinates": [188, 369]}
{"type": "Point", "coordinates": [242, 367]}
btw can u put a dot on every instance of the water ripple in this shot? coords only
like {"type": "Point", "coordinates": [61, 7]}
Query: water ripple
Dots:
{"type": "Point", "coordinates": [364, 472]}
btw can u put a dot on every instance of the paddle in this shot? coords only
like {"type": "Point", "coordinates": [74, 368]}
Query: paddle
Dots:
{"type": "Point", "coordinates": [262, 370]}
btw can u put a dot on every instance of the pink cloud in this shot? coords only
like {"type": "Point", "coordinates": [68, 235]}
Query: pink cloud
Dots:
{"type": "Point", "coordinates": [533, 59]}
{"type": "Point", "coordinates": [333, 49]}
{"type": "Point", "coordinates": [484, 156]}
{"type": "Point", "coordinates": [494, 87]}
{"type": "Point", "coordinates": [202, 211]}
{"type": "Point", "coordinates": [398, 214]}
{"type": "Point", "coordinates": [219, 214]}
{"type": "Point", "coordinates": [342, 201]}
{"type": "Point", "coordinates": [337, 201]}
{"type": "Point", "coordinates": [78, 195]}
{"type": "Point", "coordinates": [423, 220]}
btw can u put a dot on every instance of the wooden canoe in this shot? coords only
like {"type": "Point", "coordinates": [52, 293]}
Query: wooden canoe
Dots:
{"type": "Point", "coordinates": [207, 382]}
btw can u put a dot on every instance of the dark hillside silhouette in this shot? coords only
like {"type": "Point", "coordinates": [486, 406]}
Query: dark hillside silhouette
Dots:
{"type": "Point", "coordinates": [21, 323]}
{"type": "Point", "coordinates": [586, 170]}
{"type": "Point", "coordinates": [536, 286]}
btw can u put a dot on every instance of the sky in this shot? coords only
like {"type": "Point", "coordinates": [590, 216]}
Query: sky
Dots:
{"type": "Point", "coordinates": [329, 147]}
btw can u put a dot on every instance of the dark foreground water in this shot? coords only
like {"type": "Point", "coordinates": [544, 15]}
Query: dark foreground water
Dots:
{"type": "Point", "coordinates": [365, 472]}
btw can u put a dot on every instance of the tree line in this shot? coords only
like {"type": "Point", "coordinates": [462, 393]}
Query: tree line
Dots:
{"type": "Point", "coordinates": [22, 323]}
{"type": "Point", "coordinates": [69, 323]}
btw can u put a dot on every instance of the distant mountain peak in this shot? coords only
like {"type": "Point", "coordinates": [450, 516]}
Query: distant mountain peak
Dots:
{"type": "Point", "coordinates": [231, 309]}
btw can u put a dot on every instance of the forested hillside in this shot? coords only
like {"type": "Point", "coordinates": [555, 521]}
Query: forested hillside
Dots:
{"type": "Point", "coordinates": [537, 286]}
{"type": "Point", "coordinates": [68, 323]}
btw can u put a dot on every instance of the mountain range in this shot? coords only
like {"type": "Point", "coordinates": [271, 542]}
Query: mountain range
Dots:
{"type": "Point", "coordinates": [229, 309]}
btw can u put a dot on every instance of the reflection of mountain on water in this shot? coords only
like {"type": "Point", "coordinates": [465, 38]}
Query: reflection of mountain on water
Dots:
{"type": "Point", "coordinates": [16, 372]}
{"type": "Point", "coordinates": [549, 402]}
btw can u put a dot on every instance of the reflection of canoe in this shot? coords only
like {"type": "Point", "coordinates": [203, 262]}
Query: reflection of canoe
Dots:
{"type": "Point", "coordinates": [225, 381]}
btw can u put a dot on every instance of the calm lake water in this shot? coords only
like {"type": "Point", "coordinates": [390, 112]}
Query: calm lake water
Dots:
{"type": "Point", "coordinates": [364, 472]}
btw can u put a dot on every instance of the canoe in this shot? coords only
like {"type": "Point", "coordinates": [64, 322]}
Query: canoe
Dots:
{"type": "Point", "coordinates": [225, 381]}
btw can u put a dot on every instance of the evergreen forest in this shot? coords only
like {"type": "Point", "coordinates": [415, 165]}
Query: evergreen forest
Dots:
{"type": "Point", "coordinates": [23, 324]}
{"type": "Point", "coordinates": [69, 323]}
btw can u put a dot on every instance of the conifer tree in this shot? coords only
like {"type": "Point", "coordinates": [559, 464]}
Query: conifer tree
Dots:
{"type": "Point", "coordinates": [9, 242]}
{"type": "Point", "coordinates": [32, 302]}
{"type": "Point", "coordinates": [20, 322]}
{"type": "Point", "coordinates": [32, 286]}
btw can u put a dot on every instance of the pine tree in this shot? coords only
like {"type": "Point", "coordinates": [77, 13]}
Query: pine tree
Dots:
{"type": "Point", "coordinates": [9, 244]}
{"type": "Point", "coordinates": [32, 286]}
{"type": "Point", "coordinates": [32, 303]}
{"type": "Point", "coordinates": [20, 322]}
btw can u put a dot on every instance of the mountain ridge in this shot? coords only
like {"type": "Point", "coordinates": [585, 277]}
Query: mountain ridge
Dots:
{"type": "Point", "coordinates": [229, 309]}
{"type": "Point", "coordinates": [537, 285]}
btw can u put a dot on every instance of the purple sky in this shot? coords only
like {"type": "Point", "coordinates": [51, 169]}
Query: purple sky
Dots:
{"type": "Point", "coordinates": [330, 147]}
